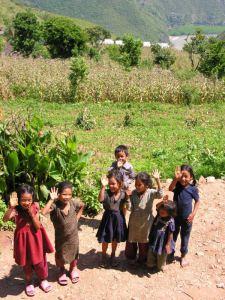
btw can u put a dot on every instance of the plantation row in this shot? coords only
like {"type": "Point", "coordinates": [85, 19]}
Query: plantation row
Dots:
{"type": "Point", "coordinates": [48, 80]}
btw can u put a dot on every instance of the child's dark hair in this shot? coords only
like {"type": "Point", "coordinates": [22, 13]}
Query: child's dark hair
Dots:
{"type": "Point", "coordinates": [117, 175]}
{"type": "Point", "coordinates": [121, 148]}
{"type": "Point", "coordinates": [25, 189]}
{"type": "Point", "coordinates": [144, 178]}
{"type": "Point", "coordinates": [169, 206]}
{"type": "Point", "coordinates": [61, 186]}
{"type": "Point", "coordinates": [189, 170]}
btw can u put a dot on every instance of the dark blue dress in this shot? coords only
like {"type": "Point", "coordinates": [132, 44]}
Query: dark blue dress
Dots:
{"type": "Point", "coordinates": [113, 225]}
{"type": "Point", "coordinates": [160, 231]}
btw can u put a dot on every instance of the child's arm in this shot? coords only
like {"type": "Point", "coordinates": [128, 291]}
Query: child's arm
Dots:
{"type": "Point", "coordinates": [9, 214]}
{"type": "Point", "coordinates": [53, 198]}
{"type": "Point", "coordinates": [192, 215]}
{"type": "Point", "coordinates": [175, 179]}
{"type": "Point", "coordinates": [80, 211]}
{"type": "Point", "coordinates": [104, 182]}
{"type": "Point", "coordinates": [168, 244]}
{"type": "Point", "coordinates": [34, 218]}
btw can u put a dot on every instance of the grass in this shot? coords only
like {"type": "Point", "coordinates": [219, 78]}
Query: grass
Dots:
{"type": "Point", "coordinates": [191, 29]}
{"type": "Point", "coordinates": [161, 135]}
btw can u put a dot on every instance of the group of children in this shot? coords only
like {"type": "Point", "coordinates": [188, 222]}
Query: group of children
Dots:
{"type": "Point", "coordinates": [149, 240]}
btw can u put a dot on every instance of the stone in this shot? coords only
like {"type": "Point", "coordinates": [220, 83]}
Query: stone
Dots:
{"type": "Point", "coordinates": [210, 179]}
{"type": "Point", "coordinates": [202, 180]}
{"type": "Point", "coordinates": [220, 285]}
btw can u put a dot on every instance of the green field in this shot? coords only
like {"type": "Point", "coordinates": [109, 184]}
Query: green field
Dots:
{"type": "Point", "coordinates": [161, 135]}
{"type": "Point", "coordinates": [191, 29]}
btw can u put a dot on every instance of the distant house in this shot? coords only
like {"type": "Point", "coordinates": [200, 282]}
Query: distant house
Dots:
{"type": "Point", "coordinates": [108, 42]}
{"type": "Point", "coordinates": [164, 45]}
{"type": "Point", "coordinates": [119, 42]}
{"type": "Point", "coordinates": [146, 44]}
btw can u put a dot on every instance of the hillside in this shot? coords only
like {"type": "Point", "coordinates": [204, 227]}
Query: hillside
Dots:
{"type": "Point", "coordinates": [9, 8]}
{"type": "Point", "coordinates": [148, 19]}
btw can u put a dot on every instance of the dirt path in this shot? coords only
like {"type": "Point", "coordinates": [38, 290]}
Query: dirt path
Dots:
{"type": "Point", "coordinates": [199, 281]}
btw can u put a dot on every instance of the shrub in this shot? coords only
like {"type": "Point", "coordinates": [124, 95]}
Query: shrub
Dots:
{"type": "Point", "coordinates": [63, 36]}
{"type": "Point", "coordinates": [97, 34]}
{"type": "Point", "coordinates": [93, 53]}
{"type": "Point", "coordinates": [26, 32]}
{"type": "Point", "coordinates": [79, 71]}
{"type": "Point", "coordinates": [131, 51]}
{"type": "Point", "coordinates": [85, 120]}
{"type": "Point", "coordinates": [40, 51]}
{"type": "Point", "coordinates": [190, 94]}
{"type": "Point", "coordinates": [163, 56]}
{"type": "Point", "coordinates": [30, 155]}
{"type": "Point", "coordinates": [212, 60]}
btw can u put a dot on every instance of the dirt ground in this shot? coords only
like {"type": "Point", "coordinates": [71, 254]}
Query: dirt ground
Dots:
{"type": "Point", "coordinates": [203, 279]}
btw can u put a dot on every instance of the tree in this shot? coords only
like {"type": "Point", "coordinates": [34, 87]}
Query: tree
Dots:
{"type": "Point", "coordinates": [63, 37]}
{"type": "Point", "coordinates": [163, 56]}
{"type": "Point", "coordinates": [97, 34]}
{"type": "Point", "coordinates": [212, 59]}
{"type": "Point", "coordinates": [26, 32]}
{"type": "Point", "coordinates": [195, 47]}
{"type": "Point", "coordinates": [131, 51]}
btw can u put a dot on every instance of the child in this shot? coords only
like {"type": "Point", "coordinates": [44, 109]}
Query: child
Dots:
{"type": "Point", "coordinates": [124, 167]}
{"type": "Point", "coordinates": [30, 239]}
{"type": "Point", "coordinates": [161, 235]}
{"type": "Point", "coordinates": [62, 208]}
{"type": "Point", "coordinates": [141, 216]}
{"type": "Point", "coordinates": [112, 228]}
{"type": "Point", "coordinates": [183, 186]}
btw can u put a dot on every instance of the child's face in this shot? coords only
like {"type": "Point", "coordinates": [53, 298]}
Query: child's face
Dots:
{"type": "Point", "coordinates": [163, 213]}
{"type": "Point", "coordinates": [140, 186]}
{"type": "Point", "coordinates": [26, 201]}
{"type": "Point", "coordinates": [114, 185]}
{"type": "Point", "coordinates": [65, 196]}
{"type": "Point", "coordinates": [185, 178]}
{"type": "Point", "coordinates": [121, 156]}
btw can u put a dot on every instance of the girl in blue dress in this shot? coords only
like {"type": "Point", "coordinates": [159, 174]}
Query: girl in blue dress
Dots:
{"type": "Point", "coordinates": [161, 236]}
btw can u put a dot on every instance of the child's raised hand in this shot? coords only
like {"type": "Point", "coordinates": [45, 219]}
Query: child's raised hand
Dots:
{"type": "Point", "coordinates": [119, 163]}
{"type": "Point", "coordinates": [177, 173]}
{"type": "Point", "coordinates": [54, 194]}
{"type": "Point", "coordinates": [156, 174]}
{"type": "Point", "coordinates": [104, 181]}
{"type": "Point", "coordinates": [13, 200]}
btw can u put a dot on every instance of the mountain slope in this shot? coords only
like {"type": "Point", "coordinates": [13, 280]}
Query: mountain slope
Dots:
{"type": "Point", "coordinates": [9, 8]}
{"type": "Point", "coordinates": [119, 16]}
{"type": "Point", "coordinates": [148, 19]}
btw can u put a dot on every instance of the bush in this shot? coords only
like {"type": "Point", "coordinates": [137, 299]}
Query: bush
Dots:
{"type": "Point", "coordinates": [63, 37]}
{"type": "Point", "coordinates": [26, 32]}
{"type": "Point", "coordinates": [85, 120]}
{"type": "Point", "coordinates": [190, 94]}
{"type": "Point", "coordinates": [30, 155]}
{"type": "Point", "coordinates": [163, 56]}
{"type": "Point", "coordinates": [212, 60]}
{"type": "Point", "coordinates": [114, 52]}
{"type": "Point", "coordinates": [94, 53]}
{"type": "Point", "coordinates": [97, 34]}
{"type": "Point", "coordinates": [131, 51]}
{"type": "Point", "coordinates": [79, 71]}
{"type": "Point", "coordinates": [4, 225]}
{"type": "Point", "coordinates": [40, 51]}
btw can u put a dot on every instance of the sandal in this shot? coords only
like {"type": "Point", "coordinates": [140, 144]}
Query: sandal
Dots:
{"type": "Point", "coordinates": [62, 280]}
{"type": "Point", "coordinates": [30, 290]}
{"type": "Point", "coordinates": [74, 276]}
{"type": "Point", "coordinates": [45, 286]}
{"type": "Point", "coordinates": [103, 263]}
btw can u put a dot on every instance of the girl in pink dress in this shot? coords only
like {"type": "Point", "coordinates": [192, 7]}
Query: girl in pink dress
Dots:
{"type": "Point", "coordinates": [31, 242]}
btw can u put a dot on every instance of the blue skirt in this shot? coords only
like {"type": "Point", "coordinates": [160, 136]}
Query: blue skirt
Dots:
{"type": "Point", "coordinates": [112, 227]}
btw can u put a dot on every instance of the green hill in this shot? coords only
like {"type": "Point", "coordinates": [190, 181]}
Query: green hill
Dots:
{"type": "Point", "coordinates": [148, 19]}
{"type": "Point", "coordinates": [9, 8]}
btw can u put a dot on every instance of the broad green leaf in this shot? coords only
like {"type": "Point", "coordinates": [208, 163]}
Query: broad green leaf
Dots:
{"type": "Point", "coordinates": [44, 191]}
{"type": "Point", "coordinates": [13, 162]}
